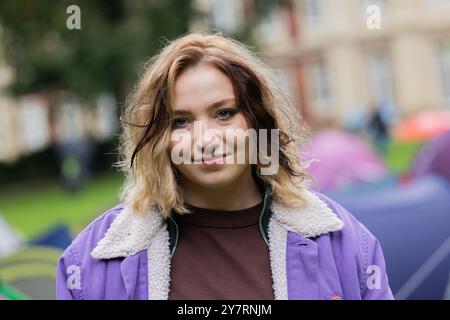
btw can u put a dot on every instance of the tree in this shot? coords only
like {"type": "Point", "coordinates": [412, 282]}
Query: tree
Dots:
{"type": "Point", "coordinates": [115, 39]}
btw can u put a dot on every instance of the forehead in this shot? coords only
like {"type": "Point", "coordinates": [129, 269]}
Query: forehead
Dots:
{"type": "Point", "coordinates": [200, 86]}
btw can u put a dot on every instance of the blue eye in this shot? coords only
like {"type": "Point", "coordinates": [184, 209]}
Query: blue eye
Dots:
{"type": "Point", "coordinates": [225, 114]}
{"type": "Point", "coordinates": [179, 122]}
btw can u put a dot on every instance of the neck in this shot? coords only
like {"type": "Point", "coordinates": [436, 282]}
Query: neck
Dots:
{"type": "Point", "coordinates": [243, 193]}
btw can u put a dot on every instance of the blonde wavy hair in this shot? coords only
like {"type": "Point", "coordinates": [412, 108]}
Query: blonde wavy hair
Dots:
{"type": "Point", "coordinates": [150, 177]}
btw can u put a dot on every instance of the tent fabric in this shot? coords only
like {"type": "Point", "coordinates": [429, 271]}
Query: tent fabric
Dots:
{"type": "Point", "coordinates": [423, 126]}
{"type": "Point", "coordinates": [434, 157]}
{"type": "Point", "coordinates": [10, 240]}
{"type": "Point", "coordinates": [32, 271]}
{"type": "Point", "coordinates": [58, 237]}
{"type": "Point", "coordinates": [9, 293]}
{"type": "Point", "coordinates": [412, 223]}
{"type": "Point", "coordinates": [363, 188]}
{"type": "Point", "coordinates": [337, 159]}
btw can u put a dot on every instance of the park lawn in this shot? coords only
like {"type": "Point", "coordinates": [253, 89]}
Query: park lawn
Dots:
{"type": "Point", "coordinates": [35, 208]}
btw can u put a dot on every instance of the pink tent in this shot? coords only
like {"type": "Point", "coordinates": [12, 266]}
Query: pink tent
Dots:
{"type": "Point", "coordinates": [336, 159]}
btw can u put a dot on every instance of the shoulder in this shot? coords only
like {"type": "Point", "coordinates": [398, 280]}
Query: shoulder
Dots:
{"type": "Point", "coordinates": [75, 266]}
{"type": "Point", "coordinates": [88, 238]}
{"type": "Point", "coordinates": [354, 236]}
{"type": "Point", "coordinates": [78, 252]}
{"type": "Point", "coordinates": [352, 227]}
{"type": "Point", "coordinates": [354, 243]}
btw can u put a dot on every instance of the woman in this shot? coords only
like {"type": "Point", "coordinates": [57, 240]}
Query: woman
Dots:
{"type": "Point", "coordinates": [206, 217]}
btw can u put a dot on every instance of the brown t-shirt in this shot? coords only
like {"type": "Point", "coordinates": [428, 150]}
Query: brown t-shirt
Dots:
{"type": "Point", "coordinates": [221, 255]}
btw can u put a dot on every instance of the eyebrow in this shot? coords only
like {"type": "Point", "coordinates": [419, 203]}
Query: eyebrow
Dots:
{"type": "Point", "coordinates": [212, 106]}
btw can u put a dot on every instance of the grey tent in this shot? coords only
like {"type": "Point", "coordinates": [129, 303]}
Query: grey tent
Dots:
{"type": "Point", "coordinates": [31, 271]}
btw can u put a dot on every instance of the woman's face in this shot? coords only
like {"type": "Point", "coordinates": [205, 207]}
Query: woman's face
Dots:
{"type": "Point", "coordinates": [205, 111]}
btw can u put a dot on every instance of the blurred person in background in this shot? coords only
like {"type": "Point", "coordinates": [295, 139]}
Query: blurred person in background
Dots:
{"type": "Point", "coordinates": [213, 229]}
{"type": "Point", "coordinates": [378, 127]}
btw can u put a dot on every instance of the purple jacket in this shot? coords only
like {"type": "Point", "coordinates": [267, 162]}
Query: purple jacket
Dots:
{"type": "Point", "coordinates": [317, 251]}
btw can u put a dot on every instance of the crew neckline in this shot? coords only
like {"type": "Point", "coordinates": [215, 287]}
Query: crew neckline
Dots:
{"type": "Point", "coordinates": [212, 218]}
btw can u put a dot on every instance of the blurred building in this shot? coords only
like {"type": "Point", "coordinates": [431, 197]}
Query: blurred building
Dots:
{"type": "Point", "coordinates": [335, 62]}
{"type": "Point", "coordinates": [338, 63]}
{"type": "Point", "coordinates": [33, 122]}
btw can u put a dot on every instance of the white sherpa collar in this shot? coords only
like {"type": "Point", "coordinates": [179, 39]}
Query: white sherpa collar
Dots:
{"type": "Point", "coordinates": [313, 219]}
{"type": "Point", "coordinates": [130, 233]}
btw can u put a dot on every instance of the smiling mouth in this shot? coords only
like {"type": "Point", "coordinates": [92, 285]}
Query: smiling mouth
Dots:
{"type": "Point", "coordinates": [215, 160]}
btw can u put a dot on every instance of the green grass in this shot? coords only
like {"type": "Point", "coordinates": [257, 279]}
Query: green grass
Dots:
{"type": "Point", "coordinates": [33, 208]}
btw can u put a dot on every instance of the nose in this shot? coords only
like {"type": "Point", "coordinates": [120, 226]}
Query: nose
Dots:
{"type": "Point", "coordinates": [207, 137]}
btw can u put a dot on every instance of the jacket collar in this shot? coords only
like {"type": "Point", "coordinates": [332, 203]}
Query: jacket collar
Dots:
{"type": "Point", "coordinates": [313, 219]}
{"type": "Point", "coordinates": [130, 233]}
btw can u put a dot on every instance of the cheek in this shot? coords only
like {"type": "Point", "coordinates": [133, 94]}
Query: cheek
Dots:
{"type": "Point", "coordinates": [237, 126]}
{"type": "Point", "coordinates": [179, 143]}
{"type": "Point", "coordinates": [240, 125]}
{"type": "Point", "coordinates": [173, 143]}
{"type": "Point", "coordinates": [241, 122]}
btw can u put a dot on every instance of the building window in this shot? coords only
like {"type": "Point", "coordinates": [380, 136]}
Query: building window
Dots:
{"type": "Point", "coordinates": [312, 11]}
{"type": "Point", "coordinates": [107, 124]}
{"type": "Point", "coordinates": [271, 26]}
{"type": "Point", "coordinates": [445, 73]}
{"type": "Point", "coordinates": [381, 79]}
{"type": "Point", "coordinates": [70, 122]}
{"type": "Point", "coordinates": [225, 15]}
{"type": "Point", "coordinates": [321, 88]}
{"type": "Point", "coordinates": [34, 123]}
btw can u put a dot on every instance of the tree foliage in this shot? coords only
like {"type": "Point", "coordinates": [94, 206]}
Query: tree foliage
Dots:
{"type": "Point", "coordinates": [115, 39]}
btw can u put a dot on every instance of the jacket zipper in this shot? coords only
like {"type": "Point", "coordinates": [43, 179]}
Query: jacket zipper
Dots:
{"type": "Point", "coordinates": [260, 218]}
{"type": "Point", "coordinates": [176, 237]}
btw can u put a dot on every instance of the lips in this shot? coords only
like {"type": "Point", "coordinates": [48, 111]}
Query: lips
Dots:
{"type": "Point", "coordinates": [214, 160]}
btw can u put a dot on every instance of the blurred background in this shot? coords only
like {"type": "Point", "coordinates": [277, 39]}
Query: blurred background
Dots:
{"type": "Point", "coordinates": [371, 78]}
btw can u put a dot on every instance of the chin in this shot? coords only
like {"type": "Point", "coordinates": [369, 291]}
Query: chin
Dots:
{"type": "Point", "coordinates": [219, 178]}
